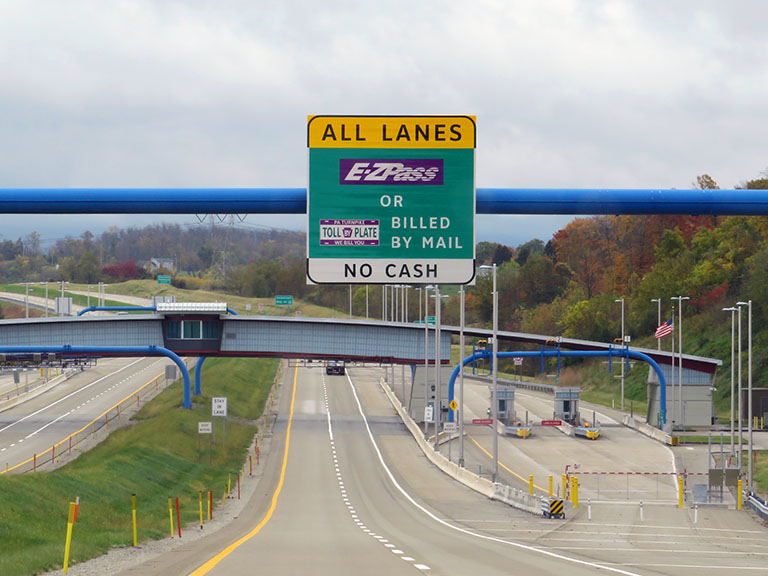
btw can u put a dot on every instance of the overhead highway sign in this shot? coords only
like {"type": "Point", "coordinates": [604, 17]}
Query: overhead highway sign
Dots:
{"type": "Point", "coordinates": [391, 198]}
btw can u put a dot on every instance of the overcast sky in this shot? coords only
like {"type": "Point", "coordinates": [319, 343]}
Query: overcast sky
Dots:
{"type": "Point", "coordinates": [567, 93]}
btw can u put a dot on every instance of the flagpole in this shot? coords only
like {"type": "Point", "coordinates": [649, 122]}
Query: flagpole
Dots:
{"type": "Point", "coordinates": [673, 374]}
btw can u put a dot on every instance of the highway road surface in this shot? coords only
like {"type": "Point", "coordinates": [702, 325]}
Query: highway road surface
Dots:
{"type": "Point", "coordinates": [346, 490]}
{"type": "Point", "coordinates": [34, 426]}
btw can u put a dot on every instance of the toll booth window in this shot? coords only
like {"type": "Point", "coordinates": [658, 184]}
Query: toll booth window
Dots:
{"type": "Point", "coordinates": [174, 330]}
{"type": "Point", "coordinates": [191, 330]}
{"type": "Point", "coordinates": [210, 329]}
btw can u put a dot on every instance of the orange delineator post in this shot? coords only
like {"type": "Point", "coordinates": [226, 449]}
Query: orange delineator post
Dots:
{"type": "Point", "coordinates": [210, 504]}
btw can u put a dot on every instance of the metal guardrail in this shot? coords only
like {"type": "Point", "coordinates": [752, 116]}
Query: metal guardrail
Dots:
{"type": "Point", "coordinates": [758, 505]}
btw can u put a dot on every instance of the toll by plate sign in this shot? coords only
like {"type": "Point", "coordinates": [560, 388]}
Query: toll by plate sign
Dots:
{"type": "Point", "coordinates": [391, 199]}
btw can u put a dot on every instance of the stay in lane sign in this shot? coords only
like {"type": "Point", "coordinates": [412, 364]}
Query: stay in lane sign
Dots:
{"type": "Point", "coordinates": [391, 199]}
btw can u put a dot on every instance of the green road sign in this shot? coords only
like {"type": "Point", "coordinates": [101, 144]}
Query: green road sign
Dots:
{"type": "Point", "coordinates": [391, 199]}
{"type": "Point", "coordinates": [163, 279]}
{"type": "Point", "coordinates": [284, 300]}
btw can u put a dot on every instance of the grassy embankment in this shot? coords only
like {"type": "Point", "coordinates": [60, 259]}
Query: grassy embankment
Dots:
{"type": "Point", "coordinates": [155, 457]}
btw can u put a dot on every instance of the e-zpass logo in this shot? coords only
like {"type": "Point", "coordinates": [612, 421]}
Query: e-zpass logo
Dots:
{"type": "Point", "coordinates": [419, 171]}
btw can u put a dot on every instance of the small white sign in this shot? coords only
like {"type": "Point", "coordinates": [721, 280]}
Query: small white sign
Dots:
{"type": "Point", "coordinates": [449, 427]}
{"type": "Point", "coordinates": [205, 427]}
{"type": "Point", "coordinates": [261, 306]}
{"type": "Point", "coordinates": [248, 307]}
{"type": "Point", "coordinates": [518, 361]}
{"type": "Point", "coordinates": [219, 406]}
{"type": "Point", "coordinates": [429, 413]}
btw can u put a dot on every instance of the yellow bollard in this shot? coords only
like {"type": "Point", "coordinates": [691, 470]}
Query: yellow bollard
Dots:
{"type": "Point", "coordinates": [41, 371]}
{"type": "Point", "coordinates": [739, 497]}
{"type": "Point", "coordinates": [133, 512]}
{"type": "Point", "coordinates": [575, 492]}
{"type": "Point", "coordinates": [680, 492]}
{"type": "Point", "coordinates": [550, 486]}
{"type": "Point", "coordinates": [530, 484]}
{"type": "Point", "coordinates": [70, 523]}
{"type": "Point", "coordinates": [200, 495]}
{"type": "Point", "coordinates": [229, 485]}
{"type": "Point", "coordinates": [170, 513]}
{"type": "Point", "coordinates": [565, 486]}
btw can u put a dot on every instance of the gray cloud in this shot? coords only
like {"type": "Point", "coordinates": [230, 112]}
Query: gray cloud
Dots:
{"type": "Point", "coordinates": [567, 93]}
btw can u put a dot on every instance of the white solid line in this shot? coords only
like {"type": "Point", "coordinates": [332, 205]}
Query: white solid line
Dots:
{"type": "Point", "coordinates": [68, 396]}
{"type": "Point", "coordinates": [405, 494]}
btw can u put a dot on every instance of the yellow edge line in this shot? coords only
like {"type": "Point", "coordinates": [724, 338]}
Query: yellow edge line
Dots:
{"type": "Point", "coordinates": [526, 480]}
{"type": "Point", "coordinates": [205, 568]}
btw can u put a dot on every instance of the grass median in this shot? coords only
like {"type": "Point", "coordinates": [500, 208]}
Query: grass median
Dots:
{"type": "Point", "coordinates": [156, 457]}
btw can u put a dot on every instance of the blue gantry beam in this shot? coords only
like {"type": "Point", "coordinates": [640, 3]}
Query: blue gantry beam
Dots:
{"type": "Point", "coordinates": [294, 201]}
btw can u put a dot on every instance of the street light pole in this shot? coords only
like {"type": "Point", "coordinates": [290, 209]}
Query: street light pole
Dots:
{"type": "Point", "coordinates": [46, 298]}
{"type": "Point", "coordinates": [426, 359]}
{"type": "Point", "coordinates": [495, 411]}
{"type": "Point", "coordinates": [749, 394]}
{"type": "Point", "coordinates": [61, 300]}
{"type": "Point", "coordinates": [680, 347]}
{"type": "Point", "coordinates": [738, 419]}
{"type": "Point", "coordinates": [26, 299]}
{"type": "Point", "coordinates": [624, 358]}
{"type": "Point", "coordinates": [658, 320]}
{"type": "Point", "coordinates": [494, 375]}
{"type": "Point", "coordinates": [438, 359]}
{"type": "Point", "coordinates": [732, 310]}
{"type": "Point", "coordinates": [461, 380]}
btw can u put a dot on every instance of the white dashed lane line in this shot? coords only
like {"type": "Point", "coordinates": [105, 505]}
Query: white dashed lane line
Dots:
{"type": "Point", "coordinates": [353, 514]}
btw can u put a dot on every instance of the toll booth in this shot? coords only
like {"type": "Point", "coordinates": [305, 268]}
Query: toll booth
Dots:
{"type": "Point", "coordinates": [505, 397]}
{"type": "Point", "coordinates": [567, 404]}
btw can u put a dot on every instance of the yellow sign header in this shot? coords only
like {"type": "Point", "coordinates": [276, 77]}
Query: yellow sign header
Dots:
{"type": "Point", "coordinates": [391, 132]}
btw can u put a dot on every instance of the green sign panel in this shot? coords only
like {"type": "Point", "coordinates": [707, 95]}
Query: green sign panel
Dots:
{"type": "Point", "coordinates": [284, 300]}
{"type": "Point", "coordinates": [163, 279]}
{"type": "Point", "coordinates": [391, 199]}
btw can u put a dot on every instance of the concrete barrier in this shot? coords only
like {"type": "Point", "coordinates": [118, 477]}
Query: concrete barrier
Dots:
{"type": "Point", "coordinates": [493, 490]}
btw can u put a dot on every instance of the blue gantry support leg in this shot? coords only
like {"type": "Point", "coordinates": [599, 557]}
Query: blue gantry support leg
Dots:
{"type": "Point", "coordinates": [198, 374]}
{"type": "Point", "coordinates": [570, 354]}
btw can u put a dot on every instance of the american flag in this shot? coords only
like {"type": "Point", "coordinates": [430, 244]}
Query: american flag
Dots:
{"type": "Point", "coordinates": [666, 328]}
